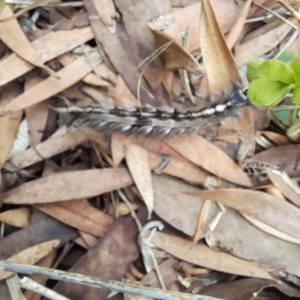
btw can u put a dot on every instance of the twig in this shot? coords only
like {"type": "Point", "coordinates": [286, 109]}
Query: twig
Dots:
{"type": "Point", "coordinates": [276, 15]}
{"type": "Point", "coordinates": [29, 284]}
{"type": "Point", "coordinates": [100, 283]}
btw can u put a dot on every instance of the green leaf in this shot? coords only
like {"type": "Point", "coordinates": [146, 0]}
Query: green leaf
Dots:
{"type": "Point", "coordinates": [295, 65]}
{"type": "Point", "coordinates": [252, 69]}
{"type": "Point", "coordinates": [266, 93]}
{"type": "Point", "coordinates": [277, 71]}
{"type": "Point", "coordinates": [286, 56]}
{"type": "Point", "coordinates": [296, 95]}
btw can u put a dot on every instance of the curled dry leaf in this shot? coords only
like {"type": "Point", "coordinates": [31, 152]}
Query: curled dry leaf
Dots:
{"type": "Point", "coordinates": [31, 255]}
{"type": "Point", "coordinates": [138, 164]}
{"type": "Point", "coordinates": [286, 185]}
{"type": "Point", "coordinates": [221, 72]}
{"type": "Point", "coordinates": [69, 186]}
{"type": "Point", "coordinates": [277, 214]}
{"type": "Point", "coordinates": [227, 13]}
{"type": "Point", "coordinates": [204, 154]}
{"type": "Point", "coordinates": [201, 255]}
{"type": "Point", "coordinates": [175, 56]}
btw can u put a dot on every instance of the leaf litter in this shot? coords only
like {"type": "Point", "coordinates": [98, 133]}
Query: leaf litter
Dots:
{"type": "Point", "coordinates": [76, 199]}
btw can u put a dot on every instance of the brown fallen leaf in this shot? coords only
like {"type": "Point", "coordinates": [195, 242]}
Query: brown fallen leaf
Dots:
{"type": "Point", "coordinates": [48, 149]}
{"type": "Point", "coordinates": [227, 13]}
{"type": "Point", "coordinates": [36, 115]}
{"type": "Point", "coordinates": [286, 185]}
{"type": "Point", "coordinates": [173, 205]}
{"type": "Point", "coordinates": [250, 243]}
{"type": "Point", "coordinates": [245, 289]}
{"type": "Point", "coordinates": [68, 186]}
{"type": "Point", "coordinates": [283, 157]}
{"type": "Point", "coordinates": [74, 219]}
{"type": "Point", "coordinates": [202, 255]}
{"type": "Point", "coordinates": [114, 253]}
{"type": "Point", "coordinates": [13, 36]}
{"type": "Point", "coordinates": [47, 47]}
{"type": "Point", "coordinates": [236, 30]}
{"type": "Point", "coordinates": [52, 86]}
{"type": "Point", "coordinates": [265, 41]}
{"type": "Point", "coordinates": [277, 214]}
{"type": "Point", "coordinates": [204, 154]}
{"type": "Point", "coordinates": [42, 229]}
{"type": "Point", "coordinates": [202, 221]}
{"type": "Point", "coordinates": [138, 164]}
{"type": "Point", "coordinates": [31, 255]}
{"type": "Point", "coordinates": [107, 13]}
{"type": "Point", "coordinates": [10, 125]}
{"type": "Point", "coordinates": [221, 72]}
{"type": "Point", "coordinates": [179, 168]}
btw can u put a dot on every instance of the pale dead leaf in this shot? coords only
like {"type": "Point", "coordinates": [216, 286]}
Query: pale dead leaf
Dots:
{"type": "Point", "coordinates": [201, 255]}
{"type": "Point", "coordinates": [202, 221]}
{"type": "Point", "coordinates": [270, 230]}
{"type": "Point", "coordinates": [31, 255]}
{"type": "Point", "coordinates": [236, 30]}
{"type": "Point", "coordinates": [219, 64]}
{"type": "Point", "coordinates": [122, 94]}
{"type": "Point", "coordinates": [48, 149]}
{"type": "Point", "coordinates": [227, 13]}
{"type": "Point", "coordinates": [138, 165]}
{"type": "Point", "coordinates": [37, 116]}
{"type": "Point", "coordinates": [278, 214]}
{"type": "Point", "coordinates": [69, 186]}
{"type": "Point", "coordinates": [13, 36]}
{"type": "Point", "coordinates": [81, 221]}
{"type": "Point", "coordinates": [261, 44]}
{"type": "Point", "coordinates": [47, 47]}
{"type": "Point", "coordinates": [173, 205]}
{"type": "Point", "coordinates": [286, 185]}
{"type": "Point", "coordinates": [107, 13]}
{"type": "Point", "coordinates": [204, 154]}
{"type": "Point", "coordinates": [179, 168]}
{"type": "Point", "coordinates": [118, 147]}
{"type": "Point", "coordinates": [10, 125]}
{"type": "Point", "coordinates": [52, 86]}
{"type": "Point", "coordinates": [19, 217]}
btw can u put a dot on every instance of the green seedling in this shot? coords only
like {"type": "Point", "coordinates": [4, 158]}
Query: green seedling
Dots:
{"type": "Point", "coordinates": [271, 82]}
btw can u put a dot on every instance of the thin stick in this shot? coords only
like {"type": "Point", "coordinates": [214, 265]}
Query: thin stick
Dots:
{"type": "Point", "coordinates": [100, 283]}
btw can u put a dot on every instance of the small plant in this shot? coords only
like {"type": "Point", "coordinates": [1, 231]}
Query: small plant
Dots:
{"type": "Point", "coordinates": [271, 80]}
